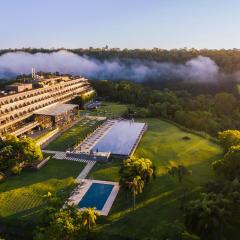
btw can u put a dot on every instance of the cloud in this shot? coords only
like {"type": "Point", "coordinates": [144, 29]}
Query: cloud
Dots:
{"type": "Point", "coordinates": [197, 69]}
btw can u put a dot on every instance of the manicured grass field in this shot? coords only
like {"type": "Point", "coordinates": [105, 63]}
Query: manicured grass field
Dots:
{"type": "Point", "coordinates": [158, 206]}
{"type": "Point", "coordinates": [73, 135]}
{"type": "Point", "coordinates": [21, 196]}
{"type": "Point", "coordinates": [110, 110]}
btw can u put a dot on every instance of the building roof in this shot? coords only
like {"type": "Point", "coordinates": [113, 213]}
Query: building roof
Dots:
{"type": "Point", "coordinates": [19, 84]}
{"type": "Point", "coordinates": [56, 110]}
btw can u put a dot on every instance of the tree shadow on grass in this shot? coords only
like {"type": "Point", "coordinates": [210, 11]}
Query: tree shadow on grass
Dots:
{"type": "Point", "coordinates": [32, 215]}
{"type": "Point", "coordinates": [158, 205]}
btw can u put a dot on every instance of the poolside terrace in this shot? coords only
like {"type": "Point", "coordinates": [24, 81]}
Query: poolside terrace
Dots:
{"type": "Point", "coordinates": [82, 189]}
{"type": "Point", "coordinates": [91, 140]}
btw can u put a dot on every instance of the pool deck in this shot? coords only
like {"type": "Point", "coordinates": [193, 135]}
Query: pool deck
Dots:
{"type": "Point", "coordinates": [90, 141]}
{"type": "Point", "coordinates": [82, 189]}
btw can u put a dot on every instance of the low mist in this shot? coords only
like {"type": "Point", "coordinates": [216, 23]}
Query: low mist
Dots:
{"type": "Point", "coordinates": [201, 69]}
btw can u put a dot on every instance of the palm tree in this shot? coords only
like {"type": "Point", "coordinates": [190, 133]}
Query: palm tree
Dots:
{"type": "Point", "coordinates": [145, 169]}
{"type": "Point", "coordinates": [180, 171]}
{"type": "Point", "coordinates": [133, 167]}
{"type": "Point", "coordinates": [48, 197]}
{"type": "Point", "coordinates": [89, 217]}
{"type": "Point", "coordinates": [136, 186]}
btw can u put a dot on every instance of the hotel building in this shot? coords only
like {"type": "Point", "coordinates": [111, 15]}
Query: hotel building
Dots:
{"type": "Point", "coordinates": [40, 102]}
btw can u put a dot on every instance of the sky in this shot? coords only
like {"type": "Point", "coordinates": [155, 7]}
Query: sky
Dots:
{"type": "Point", "coordinates": [166, 24]}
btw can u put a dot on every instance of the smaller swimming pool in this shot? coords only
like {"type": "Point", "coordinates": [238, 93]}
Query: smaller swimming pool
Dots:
{"type": "Point", "coordinates": [96, 196]}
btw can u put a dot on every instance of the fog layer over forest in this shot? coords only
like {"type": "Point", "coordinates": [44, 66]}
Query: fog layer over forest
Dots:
{"type": "Point", "coordinates": [200, 69]}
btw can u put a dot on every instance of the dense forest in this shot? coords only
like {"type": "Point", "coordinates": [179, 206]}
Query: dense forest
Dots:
{"type": "Point", "coordinates": [168, 75]}
{"type": "Point", "coordinates": [214, 214]}
{"type": "Point", "coordinates": [209, 113]}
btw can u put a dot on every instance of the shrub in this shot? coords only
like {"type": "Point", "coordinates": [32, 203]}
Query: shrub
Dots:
{"type": "Point", "coordinates": [229, 138]}
{"type": "Point", "coordinates": [142, 113]}
{"type": "Point", "coordinates": [188, 236]}
{"type": "Point", "coordinates": [2, 177]}
{"type": "Point", "coordinates": [16, 170]}
{"type": "Point", "coordinates": [186, 138]}
{"type": "Point", "coordinates": [229, 166]}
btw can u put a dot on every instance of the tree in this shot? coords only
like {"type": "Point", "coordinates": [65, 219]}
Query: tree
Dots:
{"type": "Point", "coordinates": [136, 186]}
{"type": "Point", "coordinates": [31, 151]}
{"type": "Point", "coordinates": [188, 236]}
{"type": "Point", "coordinates": [16, 170]}
{"type": "Point", "coordinates": [10, 152]}
{"type": "Point", "coordinates": [7, 159]}
{"type": "Point", "coordinates": [134, 173]}
{"type": "Point", "coordinates": [229, 138]}
{"type": "Point", "coordinates": [14, 152]}
{"type": "Point", "coordinates": [179, 171]}
{"type": "Point", "coordinates": [133, 167]}
{"type": "Point", "coordinates": [89, 217]}
{"type": "Point", "coordinates": [65, 224]}
{"type": "Point", "coordinates": [229, 166]}
{"type": "Point", "coordinates": [142, 113]}
{"type": "Point", "coordinates": [225, 103]}
{"type": "Point", "coordinates": [2, 177]}
{"type": "Point", "coordinates": [79, 101]}
{"type": "Point", "coordinates": [48, 198]}
{"type": "Point", "coordinates": [206, 216]}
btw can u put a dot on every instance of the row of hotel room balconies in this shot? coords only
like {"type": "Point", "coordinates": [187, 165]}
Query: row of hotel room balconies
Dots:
{"type": "Point", "coordinates": [7, 108]}
{"type": "Point", "coordinates": [39, 91]}
{"type": "Point", "coordinates": [62, 97]}
{"type": "Point", "coordinates": [27, 111]}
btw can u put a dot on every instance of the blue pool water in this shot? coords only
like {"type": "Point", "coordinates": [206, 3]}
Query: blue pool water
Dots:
{"type": "Point", "coordinates": [121, 138]}
{"type": "Point", "coordinates": [96, 196]}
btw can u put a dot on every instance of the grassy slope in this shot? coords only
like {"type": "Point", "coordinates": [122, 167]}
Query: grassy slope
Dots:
{"type": "Point", "coordinates": [159, 203]}
{"type": "Point", "coordinates": [21, 196]}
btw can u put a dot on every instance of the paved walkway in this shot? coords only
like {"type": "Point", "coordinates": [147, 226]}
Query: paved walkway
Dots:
{"type": "Point", "coordinates": [85, 171]}
{"type": "Point", "coordinates": [62, 155]}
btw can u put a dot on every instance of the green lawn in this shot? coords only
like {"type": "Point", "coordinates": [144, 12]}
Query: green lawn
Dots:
{"type": "Point", "coordinates": [158, 206]}
{"type": "Point", "coordinates": [110, 110]}
{"type": "Point", "coordinates": [21, 196]}
{"type": "Point", "coordinates": [73, 135]}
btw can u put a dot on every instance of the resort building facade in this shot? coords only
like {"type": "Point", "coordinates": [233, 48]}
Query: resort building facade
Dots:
{"type": "Point", "coordinates": [21, 109]}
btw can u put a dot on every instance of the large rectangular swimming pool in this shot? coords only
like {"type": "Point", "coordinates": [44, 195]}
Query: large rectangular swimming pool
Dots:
{"type": "Point", "coordinates": [96, 196]}
{"type": "Point", "coordinates": [121, 138]}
